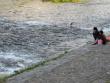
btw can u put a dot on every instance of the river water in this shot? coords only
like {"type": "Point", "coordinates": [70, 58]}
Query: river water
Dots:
{"type": "Point", "coordinates": [23, 43]}
{"type": "Point", "coordinates": [29, 42]}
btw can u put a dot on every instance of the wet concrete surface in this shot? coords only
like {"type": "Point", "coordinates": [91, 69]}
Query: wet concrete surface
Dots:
{"type": "Point", "coordinates": [25, 43]}
{"type": "Point", "coordinates": [88, 64]}
{"type": "Point", "coordinates": [35, 31]}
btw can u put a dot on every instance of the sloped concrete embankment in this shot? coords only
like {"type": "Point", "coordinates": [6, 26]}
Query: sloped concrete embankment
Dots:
{"type": "Point", "coordinates": [89, 64]}
{"type": "Point", "coordinates": [29, 42]}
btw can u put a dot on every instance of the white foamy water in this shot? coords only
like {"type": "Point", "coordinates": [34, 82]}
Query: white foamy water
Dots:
{"type": "Point", "coordinates": [107, 31]}
{"type": "Point", "coordinates": [13, 61]}
{"type": "Point", "coordinates": [36, 23]}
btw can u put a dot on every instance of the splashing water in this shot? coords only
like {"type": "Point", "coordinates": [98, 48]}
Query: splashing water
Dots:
{"type": "Point", "coordinates": [13, 61]}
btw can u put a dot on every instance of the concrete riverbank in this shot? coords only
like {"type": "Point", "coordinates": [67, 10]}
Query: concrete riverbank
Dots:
{"type": "Point", "coordinates": [31, 32]}
{"type": "Point", "coordinates": [89, 64]}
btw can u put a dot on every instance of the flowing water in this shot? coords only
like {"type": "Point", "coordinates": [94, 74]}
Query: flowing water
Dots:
{"type": "Point", "coordinates": [50, 32]}
{"type": "Point", "coordinates": [29, 42]}
{"type": "Point", "coordinates": [25, 43]}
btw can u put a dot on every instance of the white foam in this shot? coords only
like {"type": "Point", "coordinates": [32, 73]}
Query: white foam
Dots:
{"type": "Point", "coordinates": [19, 62]}
{"type": "Point", "coordinates": [36, 23]}
{"type": "Point", "coordinates": [106, 30]}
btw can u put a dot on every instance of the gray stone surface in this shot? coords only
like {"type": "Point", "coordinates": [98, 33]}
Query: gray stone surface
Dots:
{"type": "Point", "coordinates": [28, 42]}
{"type": "Point", "coordinates": [89, 64]}
{"type": "Point", "coordinates": [36, 38]}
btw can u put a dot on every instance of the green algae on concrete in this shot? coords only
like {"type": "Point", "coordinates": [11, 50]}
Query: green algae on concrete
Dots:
{"type": "Point", "coordinates": [74, 1]}
{"type": "Point", "coordinates": [3, 78]}
{"type": "Point", "coordinates": [108, 81]}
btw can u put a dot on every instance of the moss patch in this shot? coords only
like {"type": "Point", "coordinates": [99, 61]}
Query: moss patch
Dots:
{"type": "Point", "coordinates": [3, 78]}
{"type": "Point", "coordinates": [74, 1]}
{"type": "Point", "coordinates": [108, 81]}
